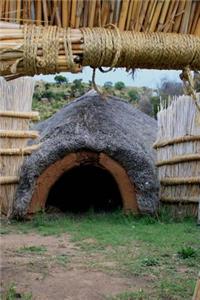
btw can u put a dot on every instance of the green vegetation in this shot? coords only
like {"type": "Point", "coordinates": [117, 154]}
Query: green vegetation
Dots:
{"type": "Point", "coordinates": [59, 79]}
{"type": "Point", "coordinates": [187, 252]}
{"type": "Point", "coordinates": [108, 85]}
{"type": "Point", "coordinates": [50, 97]}
{"type": "Point", "coordinates": [133, 95]}
{"type": "Point", "coordinates": [62, 259]}
{"type": "Point", "coordinates": [140, 295]}
{"type": "Point", "coordinates": [32, 249]}
{"type": "Point", "coordinates": [145, 247]}
{"type": "Point", "coordinates": [119, 85]}
{"type": "Point", "coordinates": [11, 294]}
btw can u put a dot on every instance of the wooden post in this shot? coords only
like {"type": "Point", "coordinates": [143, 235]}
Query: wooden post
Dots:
{"type": "Point", "coordinates": [196, 295]}
{"type": "Point", "coordinates": [15, 117]}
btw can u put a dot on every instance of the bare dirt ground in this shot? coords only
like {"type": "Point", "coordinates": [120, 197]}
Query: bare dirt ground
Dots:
{"type": "Point", "coordinates": [51, 268]}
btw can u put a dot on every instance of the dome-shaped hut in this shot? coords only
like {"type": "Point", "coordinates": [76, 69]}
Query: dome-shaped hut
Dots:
{"type": "Point", "coordinates": [95, 153]}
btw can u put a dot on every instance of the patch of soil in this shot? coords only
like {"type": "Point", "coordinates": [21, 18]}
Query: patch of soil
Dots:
{"type": "Point", "coordinates": [57, 272]}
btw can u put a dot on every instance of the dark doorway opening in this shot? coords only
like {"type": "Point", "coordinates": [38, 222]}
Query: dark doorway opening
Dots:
{"type": "Point", "coordinates": [84, 188]}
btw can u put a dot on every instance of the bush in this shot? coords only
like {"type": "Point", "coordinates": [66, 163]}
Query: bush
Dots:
{"type": "Point", "coordinates": [59, 95]}
{"type": "Point", "coordinates": [187, 252]}
{"type": "Point", "coordinates": [37, 95]}
{"type": "Point", "coordinates": [133, 95]}
{"type": "Point", "coordinates": [119, 85]}
{"type": "Point", "coordinates": [59, 79]}
{"type": "Point", "coordinates": [48, 94]}
{"type": "Point", "coordinates": [77, 84]}
{"type": "Point", "coordinates": [150, 261]}
{"type": "Point", "coordinates": [108, 85]}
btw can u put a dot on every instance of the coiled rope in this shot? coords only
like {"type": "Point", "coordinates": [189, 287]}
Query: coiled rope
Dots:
{"type": "Point", "coordinates": [108, 47]}
{"type": "Point", "coordinates": [112, 48]}
{"type": "Point", "coordinates": [48, 39]}
{"type": "Point", "coordinates": [104, 47]}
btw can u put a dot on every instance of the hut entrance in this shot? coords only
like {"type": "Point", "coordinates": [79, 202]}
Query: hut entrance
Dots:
{"type": "Point", "coordinates": [84, 188]}
{"type": "Point", "coordinates": [82, 181]}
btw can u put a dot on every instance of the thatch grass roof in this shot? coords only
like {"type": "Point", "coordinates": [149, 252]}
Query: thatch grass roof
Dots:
{"type": "Point", "coordinates": [181, 16]}
{"type": "Point", "coordinates": [110, 126]}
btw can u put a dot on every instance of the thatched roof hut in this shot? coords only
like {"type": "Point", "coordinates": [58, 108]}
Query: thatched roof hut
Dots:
{"type": "Point", "coordinates": [107, 135]}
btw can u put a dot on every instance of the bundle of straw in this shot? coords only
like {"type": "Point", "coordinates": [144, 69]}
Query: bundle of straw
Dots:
{"type": "Point", "coordinates": [15, 117]}
{"type": "Point", "coordinates": [178, 144]}
{"type": "Point", "coordinates": [144, 15]}
{"type": "Point", "coordinates": [34, 47]}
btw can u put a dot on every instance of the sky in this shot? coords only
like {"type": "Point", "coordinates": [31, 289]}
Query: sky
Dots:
{"type": "Point", "coordinates": [148, 78]}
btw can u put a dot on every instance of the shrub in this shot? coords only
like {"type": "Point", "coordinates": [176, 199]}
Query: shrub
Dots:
{"type": "Point", "coordinates": [47, 94]}
{"type": "Point", "coordinates": [119, 85]}
{"type": "Point", "coordinates": [108, 85]}
{"type": "Point", "coordinates": [187, 252]}
{"type": "Point", "coordinates": [59, 79]}
{"type": "Point", "coordinates": [133, 95]}
{"type": "Point", "coordinates": [150, 261]}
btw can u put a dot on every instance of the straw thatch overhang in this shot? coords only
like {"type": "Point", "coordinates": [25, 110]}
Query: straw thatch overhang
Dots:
{"type": "Point", "coordinates": [132, 34]}
{"type": "Point", "coordinates": [111, 135]}
{"type": "Point", "coordinates": [180, 16]}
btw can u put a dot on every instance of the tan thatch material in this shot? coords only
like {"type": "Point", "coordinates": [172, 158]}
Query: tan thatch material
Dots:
{"type": "Point", "coordinates": [178, 157]}
{"type": "Point", "coordinates": [9, 180]}
{"type": "Point", "coordinates": [177, 200]}
{"type": "Point", "coordinates": [33, 50]}
{"type": "Point", "coordinates": [34, 115]}
{"type": "Point", "coordinates": [179, 181]}
{"type": "Point", "coordinates": [179, 140]}
{"type": "Point", "coordinates": [16, 97]}
{"type": "Point", "coordinates": [19, 151]}
{"type": "Point", "coordinates": [146, 16]}
{"type": "Point", "coordinates": [19, 134]}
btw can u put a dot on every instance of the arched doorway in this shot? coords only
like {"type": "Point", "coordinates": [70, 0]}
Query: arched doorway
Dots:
{"type": "Point", "coordinates": [83, 188]}
{"type": "Point", "coordinates": [115, 189]}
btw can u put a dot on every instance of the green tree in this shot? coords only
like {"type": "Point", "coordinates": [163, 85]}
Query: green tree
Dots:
{"type": "Point", "coordinates": [59, 79]}
{"type": "Point", "coordinates": [133, 95]}
{"type": "Point", "coordinates": [119, 85]}
{"type": "Point", "coordinates": [108, 85]}
{"type": "Point", "coordinates": [77, 83]}
{"type": "Point", "coordinates": [77, 87]}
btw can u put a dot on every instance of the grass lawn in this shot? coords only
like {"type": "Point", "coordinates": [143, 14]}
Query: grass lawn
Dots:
{"type": "Point", "coordinates": [163, 253]}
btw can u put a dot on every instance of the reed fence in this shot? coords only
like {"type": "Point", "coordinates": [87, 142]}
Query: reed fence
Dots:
{"type": "Point", "coordinates": [178, 154]}
{"type": "Point", "coordinates": [15, 118]}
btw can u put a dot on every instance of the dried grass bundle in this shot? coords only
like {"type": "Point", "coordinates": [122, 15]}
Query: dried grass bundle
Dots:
{"type": "Point", "coordinates": [16, 96]}
{"type": "Point", "coordinates": [178, 151]}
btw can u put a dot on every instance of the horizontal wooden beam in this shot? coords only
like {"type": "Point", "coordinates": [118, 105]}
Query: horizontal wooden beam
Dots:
{"type": "Point", "coordinates": [96, 47]}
